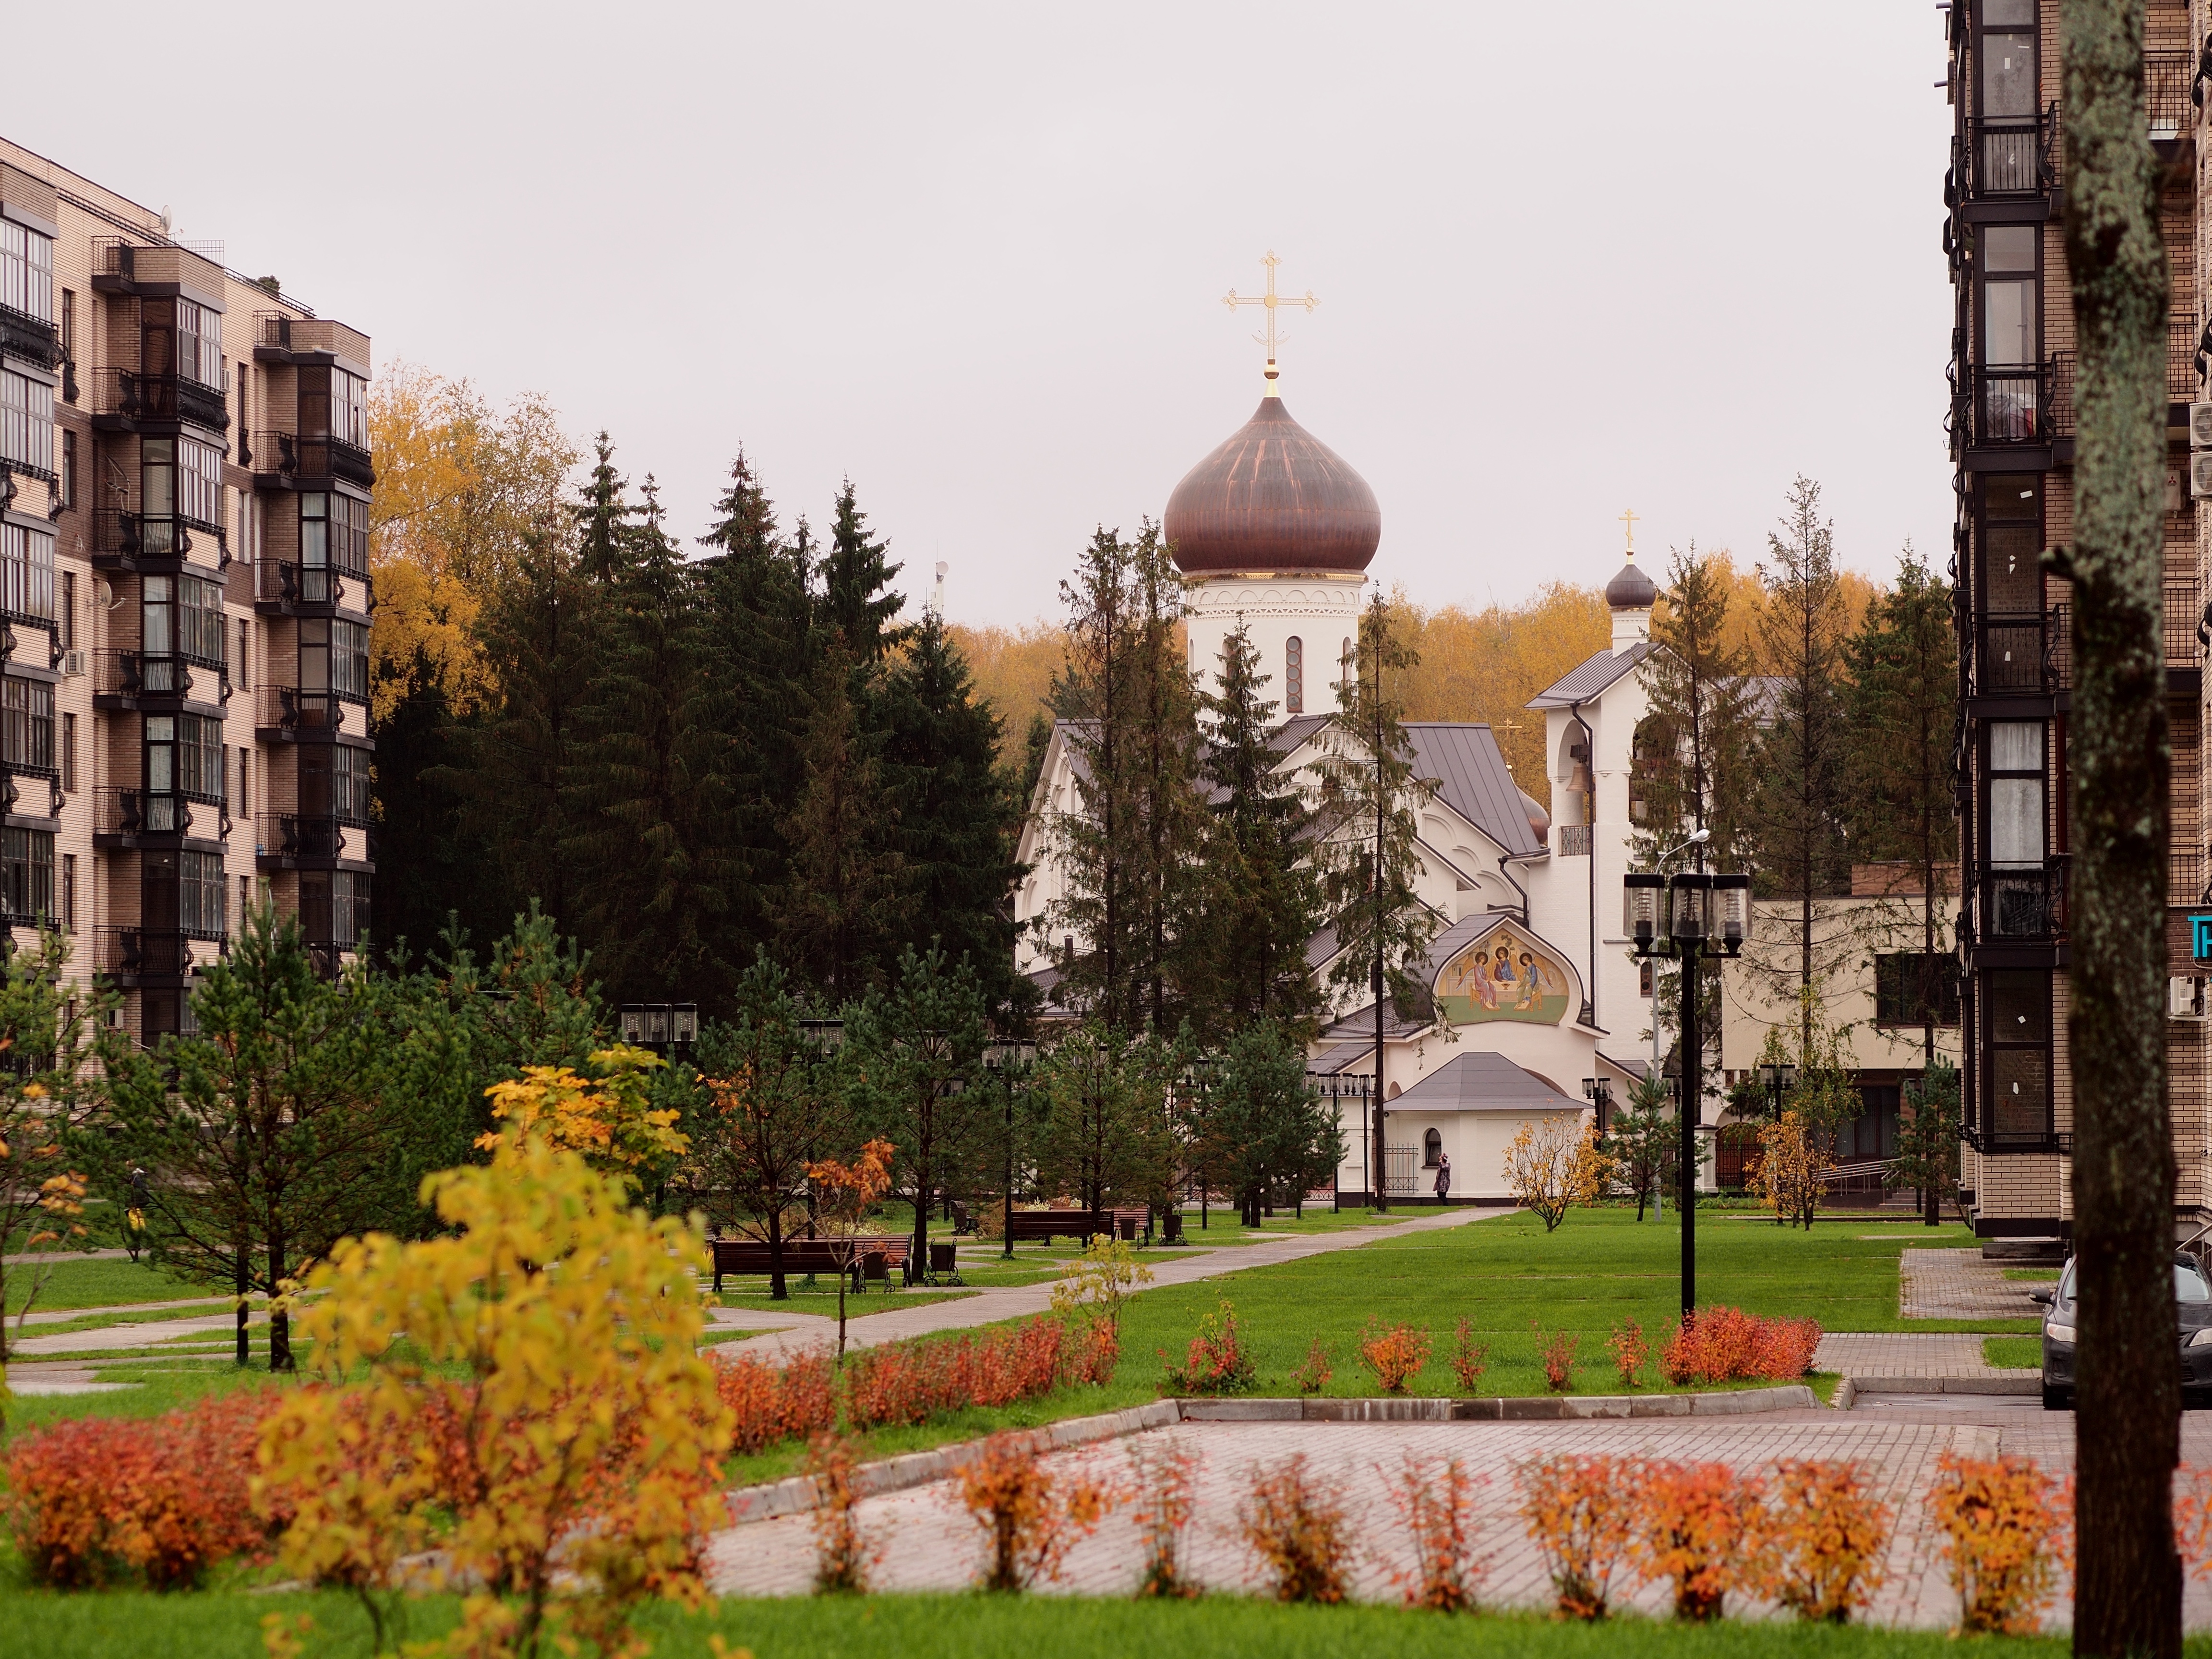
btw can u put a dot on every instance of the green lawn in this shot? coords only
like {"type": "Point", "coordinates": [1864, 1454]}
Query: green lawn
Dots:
{"type": "Point", "coordinates": [2013, 1351]}
{"type": "Point", "coordinates": [104, 1284]}
{"type": "Point", "coordinates": [227, 1625]}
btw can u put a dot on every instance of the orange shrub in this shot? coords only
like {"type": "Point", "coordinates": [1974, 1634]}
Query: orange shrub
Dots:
{"type": "Point", "coordinates": [1579, 1510]}
{"type": "Point", "coordinates": [771, 1404]}
{"type": "Point", "coordinates": [1029, 1519]}
{"type": "Point", "coordinates": [91, 1499]}
{"type": "Point", "coordinates": [1093, 1353]}
{"type": "Point", "coordinates": [1699, 1527]}
{"type": "Point", "coordinates": [1216, 1363]}
{"type": "Point", "coordinates": [1313, 1375]}
{"type": "Point", "coordinates": [842, 1556]}
{"type": "Point", "coordinates": [1166, 1479]}
{"type": "Point", "coordinates": [909, 1382]}
{"type": "Point", "coordinates": [1726, 1345]}
{"type": "Point", "coordinates": [1436, 1500]}
{"type": "Point", "coordinates": [1396, 1355]}
{"type": "Point", "coordinates": [1825, 1534]}
{"type": "Point", "coordinates": [2003, 1520]}
{"type": "Point", "coordinates": [1300, 1530]}
{"type": "Point", "coordinates": [1631, 1352]}
{"type": "Point", "coordinates": [1470, 1358]}
{"type": "Point", "coordinates": [2192, 1519]}
{"type": "Point", "coordinates": [1558, 1354]}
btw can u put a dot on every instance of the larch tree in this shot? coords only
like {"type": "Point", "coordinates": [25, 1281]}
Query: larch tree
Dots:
{"type": "Point", "coordinates": [2127, 1584]}
{"type": "Point", "coordinates": [1371, 794]}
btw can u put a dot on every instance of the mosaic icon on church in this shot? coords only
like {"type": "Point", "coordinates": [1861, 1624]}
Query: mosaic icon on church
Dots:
{"type": "Point", "coordinates": [1505, 974]}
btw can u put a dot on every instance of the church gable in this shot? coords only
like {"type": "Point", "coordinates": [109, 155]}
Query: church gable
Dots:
{"type": "Point", "coordinates": [1493, 969]}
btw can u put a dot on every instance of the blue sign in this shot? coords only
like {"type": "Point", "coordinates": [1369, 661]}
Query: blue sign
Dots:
{"type": "Point", "coordinates": [2200, 938]}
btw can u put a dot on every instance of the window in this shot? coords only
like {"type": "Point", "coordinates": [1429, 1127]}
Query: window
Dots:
{"type": "Point", "coordinates": [199, 895]}
{"type": "Point", "coordinates": [179, 478]}
{"type": "Point", "coordinates": [27, 422]}
{"type": "Point", "coordinates": [1294, 668]}
{"type": "Point", "coordinates": [334, 907]}
{"type": "Point", "coordinates": [244, 783]}
{"type": "Point", "coordinates": [245, 901]}
{"type": "Point", "coordinates": [199, 343]}
{"type": "Point", "coordinates": [69, 325]}
{"type": "Point", "coordinates": [1433, 1149]}
{"type": "Point", "coordinates": [334, 783]}
{"type": "Point", "coordinates": [26, 270]}
{"type": "Point", "coordinates": [69, 754]}
{"type": "Point", "coordinates": [69, 893]}
{"type": "Point", "coordinates": [27, 725]}
{"type": "Point", "coordinates": [1909, 983]}
{"type": "Point", "coordinates": [184, 757]}
{"type": "Point", "coordinates": [26, 573]}
{"type": "Point", "coordinates": [2010, 313]}
{"type": "Point", "coordinates": [69, 470]}
{"type": "Point", "coordinates": [183, 617]}
{"type": "Point", "coordinates": [349, 409]}
{"type": "Point", "coordinates": [2016, 1004]}
{"type": "Point", "coordinates": [334, 658]}
{"type": "Point", "coordinates": [2009, 82]}
{"type": "Point", "coordinates": [2016, 794]}
{"type": "Point", "coordinates": [68, 609]}
{"type": "Point", "coordinates": [27, 873]}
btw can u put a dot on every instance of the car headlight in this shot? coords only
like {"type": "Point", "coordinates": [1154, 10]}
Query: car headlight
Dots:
{"type": "Point", "coordinates": [2058, 1333]}
{"type": "Point", "coordinates": [2203, 1338]}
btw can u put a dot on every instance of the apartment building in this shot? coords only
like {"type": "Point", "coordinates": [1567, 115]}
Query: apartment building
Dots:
{"type": "Point", "coordinates": [184, 596]}
{"type": "Point", "coordinates": [2012, 433]}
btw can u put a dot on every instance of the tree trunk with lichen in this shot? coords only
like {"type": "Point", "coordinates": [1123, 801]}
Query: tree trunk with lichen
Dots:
{"type": "Point", "coordinates": [2128, 1577]}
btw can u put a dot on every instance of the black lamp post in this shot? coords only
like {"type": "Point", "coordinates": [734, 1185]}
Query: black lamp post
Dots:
{"type": "Point", "coordinates": [1009, 1062]}
{"type": "Point", "coordinates": [1687, 916]}
{"type": "Point", "coordinates": [1779, 1081]}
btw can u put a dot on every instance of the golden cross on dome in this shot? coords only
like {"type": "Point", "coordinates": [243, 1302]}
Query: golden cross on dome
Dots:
{"type": "Point", "coordinates": [1629, 519]}
{"type": "Point", "coordinates": [1271, 299]}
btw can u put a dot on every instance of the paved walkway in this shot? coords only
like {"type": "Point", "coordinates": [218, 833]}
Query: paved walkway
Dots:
{"type": "Point", "coordinates": [1918, 1362]}
{"type": "Point", "coordinates": [1961, 1284]}
{"type": "Point", "coordinates": [932, 1544]}
{"type": "Point", "coordinates": [784, 1334]}
{"type": "Point", "coordinates": [148, 1333]}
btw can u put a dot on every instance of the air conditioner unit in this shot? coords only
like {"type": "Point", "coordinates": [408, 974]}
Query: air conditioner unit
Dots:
{"type": "Point", "coordinates": [2184, 997]}
{"type": "Point", "coordinates": [2200, 426]}
{"type": "Point", "coordinates": [72, 663]}
{"type": "Point", "coordinates": [2200, 474]}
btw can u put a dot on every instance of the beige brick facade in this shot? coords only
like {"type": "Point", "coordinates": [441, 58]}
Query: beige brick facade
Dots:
{"type": "Point", "coordinates": [200, 506]}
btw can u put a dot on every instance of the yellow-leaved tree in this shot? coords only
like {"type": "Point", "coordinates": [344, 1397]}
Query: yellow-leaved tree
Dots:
{"type": "Point", "coordinates": [609, 1119]}
{"type": "Point", "coordinates": [1553, 1166]}
{"type": "Point", "coordinates": [536, 1413]}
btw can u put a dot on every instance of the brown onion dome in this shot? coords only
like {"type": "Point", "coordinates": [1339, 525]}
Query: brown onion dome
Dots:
{"type": "Point", "coordinates": [1631, 590]}
{"type": "Point", "coordinates": [1272, 498]}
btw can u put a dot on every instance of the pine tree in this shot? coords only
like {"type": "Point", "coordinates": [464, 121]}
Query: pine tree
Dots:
{"type": "Point", "coordinates": [1902, 767]}
{"type": "Point", "coordinates": [1104, 1139]}
{"type": "Point", "coordinates": [654, 785]}
{"type": "Point", "coordinates": [1801, 804]}
{"type": "Point", "coordinates": [857, 599]}
{"type": "Point", "coordinates": [1259, 901]}
{"type": "Point", "coordinates": [958, 815]}
{"type": "Point", "coordinates": [1371, 798]}
{"type": "Point", "coordinates": [605, 521]}
{"type": "Point", "coordinates": [846, 897]}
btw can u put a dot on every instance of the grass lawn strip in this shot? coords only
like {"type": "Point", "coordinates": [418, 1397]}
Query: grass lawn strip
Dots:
{"type": "Point", "coordinates": [104, 1284]}
{"type": "Point", "coordinates": [2013, 1352]}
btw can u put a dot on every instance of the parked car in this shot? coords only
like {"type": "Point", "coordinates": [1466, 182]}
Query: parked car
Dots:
{"type": "Point", "coordinates": [2192, 1299]}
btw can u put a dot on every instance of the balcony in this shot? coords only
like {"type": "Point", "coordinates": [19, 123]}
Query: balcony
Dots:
{"type": "Point", "coordinates": [2017, 406]}
{"type": "Point", "coordinates": [293, 460]}
{"type": "Point", "coordinates": [2012, 157]}
{"type": "Point", "coordinates": [293, 840]}
{"type": "Point", "coordinates": [285, 711]}
{"type": "Point", "coordinates": [28, 338]}
{"type": "Point", "coordinates": [2167, 77]}
{"type": "Point", "coordinates": [124, 400]}
{"type": "Point", "coordinates": [129, 818]}
{"type": "Point", "coordinates": [2026, 655]}
{"type": "Point", "coordinates": [129, 677]}
{"type": "Point", "coordinates": [2023, 904]}
{"type": "Point", "coordinates": [136, 956]}
{"type": "Point", "coordinates": [285, 589]}
{"type": "Point", "coordinates": [2183, 615]}
{"type": "Point", "coordinates": [2186, 884]}
{"type": "Point", "coordinates": [121, 266]}
{"type": "Point", "coordinates": [134, 541]}
{"type": "Point", "coordinates": [280, 338]}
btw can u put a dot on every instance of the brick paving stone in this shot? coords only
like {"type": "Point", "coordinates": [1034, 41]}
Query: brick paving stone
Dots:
{"type": "Point", "coordinates": [1870, 1358]}
{"type": "Point", "coordinates": [1960, 1285]}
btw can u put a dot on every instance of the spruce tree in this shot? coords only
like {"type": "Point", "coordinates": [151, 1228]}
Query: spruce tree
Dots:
{"type": "Point", "coordinates": [1372, 797]}
{"type": "Point", "coordinates": [857, 597]}
{"type": "Point", "coordinates": [605, 520]}
{"type": "Point", "coordinates": [1259, 899]}
{"type": "Point", "coordinates": [1164, 737]}
{"type": "Point", "coordinates": [1801, 804]}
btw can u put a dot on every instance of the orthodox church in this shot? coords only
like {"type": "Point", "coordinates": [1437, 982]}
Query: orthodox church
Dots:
{"type": "Point", "coordinates": [1539, 1009]}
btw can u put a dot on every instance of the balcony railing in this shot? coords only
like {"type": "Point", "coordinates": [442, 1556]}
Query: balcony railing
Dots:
{"type": "Point", "coordinates": [2011, 156]}
{"type": "Point", "coordinates": [140, 951]}
{"type": "Point", "coordinates": [2183, 383]}
{"type": "Point", "coordinates": [2166, 95]}
{"type": "Point", "coordinates": [33, 339]}
{"type": "Point", "coordinates": [2185, 880]}
{"type": "Point", "coordinates": [278, 581]}
{"type": "Point", "coordinates": [275, 331]}
{"type": "Point", "coordinates": [2183, 610]}
{"type": "Point", "coordinates": [2019, 406]}
{"type": "Point", "coordinates": [2023, 655]}
{"type": "Point", "coordinates": [2024, 904]}
{"type": "Point", "coordinates": [310, 836]}
{"type": "Point", "coordinates": [287, 709]}
{"type": "Point", "coordinates": [136, 536]}
{"type": "Point", "coordinates": [154, 812]}
{"type": "Point", "coordinates": [303, 458]}
{"type": "Point", "coordinates": [139, 674]}
{"type": "Point", "coordinates": [131, 395]}
{"type": "Point", "coordinates": [119, 259]}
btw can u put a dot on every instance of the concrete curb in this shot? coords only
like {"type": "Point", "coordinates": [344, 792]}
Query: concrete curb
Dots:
{"type": "Point", "coordinates": [796, 1495]}
{"type": "Point", "coordinates": [1996, 1382]}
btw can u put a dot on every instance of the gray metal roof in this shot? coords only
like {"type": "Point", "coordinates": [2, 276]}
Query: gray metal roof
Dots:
{"type": "Point", "coordinates": [1582, 684]}
{"type": "Point", "coordinates": [1360, 1023]}
{"type": "Point", "coordinates": [1354, 1057]}
{"type": "Point", "coordinates": [1472, 780]}
{"type": "Point", "coordinates": [1482, 1082]}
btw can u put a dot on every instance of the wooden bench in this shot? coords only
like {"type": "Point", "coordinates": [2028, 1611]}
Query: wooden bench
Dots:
{"type": "Point", "coordinates": [1045, 1225]}
{"type": "Point", "coordinates": [873, 1257]}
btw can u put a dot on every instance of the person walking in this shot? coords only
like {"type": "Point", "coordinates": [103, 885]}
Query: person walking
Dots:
{"type": "Point", "coordinates": [1443, 1176]}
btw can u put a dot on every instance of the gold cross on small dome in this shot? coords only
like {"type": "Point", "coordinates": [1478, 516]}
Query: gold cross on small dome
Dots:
{"type": "Point", "coordinates": [1629, 519]}
{"type": "Point", "coordinates": [1271, 299]}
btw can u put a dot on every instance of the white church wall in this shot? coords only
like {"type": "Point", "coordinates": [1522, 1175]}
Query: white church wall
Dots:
{"type": "Point", "coordinates": [1321, 612]}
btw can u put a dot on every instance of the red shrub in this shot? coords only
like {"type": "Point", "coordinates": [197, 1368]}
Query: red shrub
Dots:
{"type": "Point", "coordinates": [91, 1498]}
{"type": "Point", "coordinates": [913, 1381]}
{"type": "Point", "coordinates": [1435, 1498]}
{"type": "Point", "coordinates": [1631, 1352]}
{"type": "Point", "coordinates": [1396, 1355]}
{"type": "Point", "coordinates": [1470, 1358]}
{"type": "Point", "coordinates": [772, 1404]}
{"type": "Point", "coordinates": [2005, 1522]}
{"type": "Point", "coordinates": [1217, 1361]}
{"type": "Point", "coordinates": [1092, 1357]}
{"type": "Point", "coordinates": [1725, 1345]}
{"type": "Point", "coordinates": [905, 1382]}
{"type": "Point", "coordinates": [1700, 1527]}
{"type": "Point", "coordinates": [1581, 1511]}
{"type": "Point", "coordinates": [1827, 1538]}
{"type": "Point", "coordinates": [1558, 1354]}
{"type": "Point", "coordinates": [1313, 1375]}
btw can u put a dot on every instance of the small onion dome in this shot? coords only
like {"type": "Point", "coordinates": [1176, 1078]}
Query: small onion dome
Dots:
{"type": "Point", "coordinates": [1631, 590]}
{"type": "Point", "coordinates": [1540, 821]}
{"type": "Point", "coordinates": [1272, 498]}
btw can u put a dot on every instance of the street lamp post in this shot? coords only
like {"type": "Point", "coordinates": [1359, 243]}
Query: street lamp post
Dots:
{"type": "Point", "coordinates": [1685, 917]}
{"type": "Point", "coordinates": [1010, 1063]}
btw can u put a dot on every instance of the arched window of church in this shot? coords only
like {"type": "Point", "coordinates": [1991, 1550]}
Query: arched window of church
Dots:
{"type": "Point", "coordinates": [1294, 677]}
{"type": "Point", "coordinates": [1433, 1149]}
{"type": "Point", "coordinates": [1344, 665]}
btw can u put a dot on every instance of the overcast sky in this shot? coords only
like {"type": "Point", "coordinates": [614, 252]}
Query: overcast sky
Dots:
{"type": "Point", "coordinates": [1571, 259]}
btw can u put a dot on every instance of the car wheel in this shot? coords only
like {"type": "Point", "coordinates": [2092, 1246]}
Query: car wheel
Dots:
{"type": "Point", "coordinates": [2057, 1400]}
